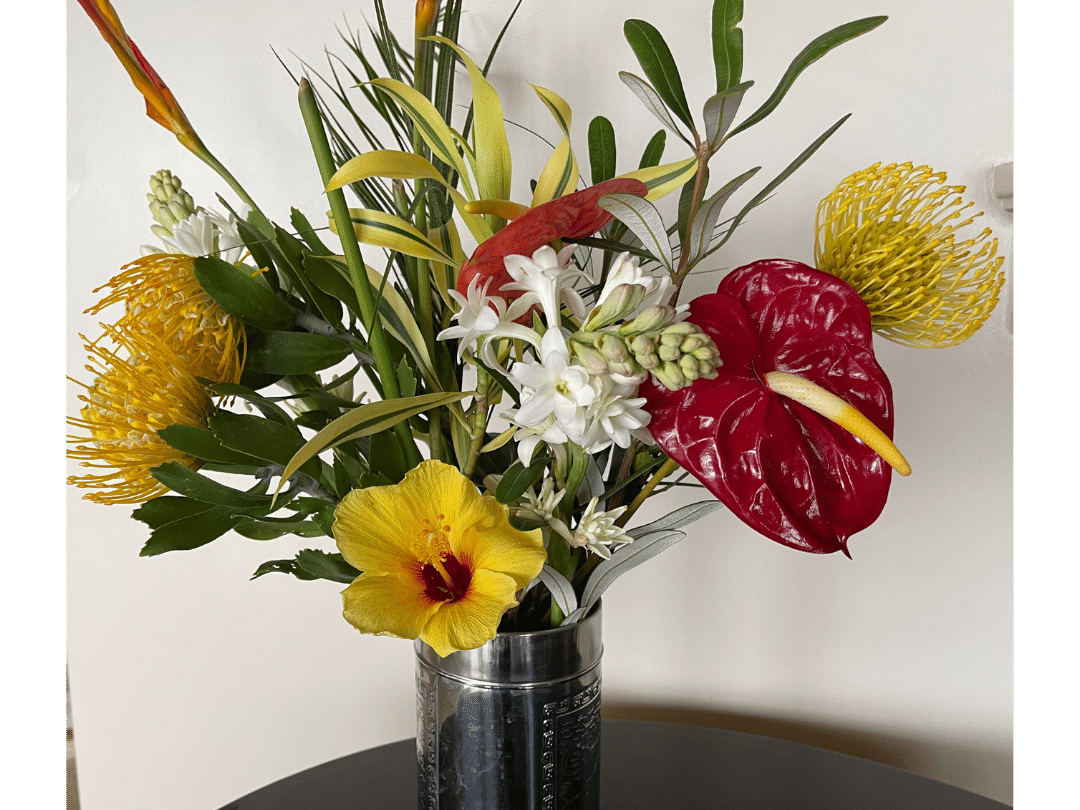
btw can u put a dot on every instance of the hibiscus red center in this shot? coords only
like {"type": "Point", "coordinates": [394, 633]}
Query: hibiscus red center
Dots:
{"type": "Point", "coordinates": [445, 577]}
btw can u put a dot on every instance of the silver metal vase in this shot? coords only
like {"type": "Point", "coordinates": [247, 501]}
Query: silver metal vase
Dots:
{"type": "Point", "coordinates": [511, 725]}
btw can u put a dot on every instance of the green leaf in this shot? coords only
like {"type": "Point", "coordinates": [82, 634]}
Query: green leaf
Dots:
{"type": "Point", "coordinates": [260, 438]}
{"type": "Point", "coordinates": [191, 532]}
{"type": "Point", "coordinates": [644, 221]}
{"type": "Point", "coordinates": [202, 443]}
{"type": "Point", "coordinates": [654, 150]}
{"type": "Point", "coordinates": [281, 567]}
{"type": "Point", "coordinates": [167, 508]}
{"type": "Point", "coordinates": [187, 482]}
{"type": "Point", "coordinates": [727, 42]}
{"type": "Point", "coordinates": [518, 479]}
{"type": "Point", "coordinates": [386, 457]}
{"type": "Point", "coordinates": [322, 565]}
{"type": "Point", "coordinates": [720, 111]}
{"type": "Point", "coordinates": [303, 227]}
{"type": "Point", "coordinates": [329, 278]}
{"type": "Point", "coordinates": [651, 99]}
{"type": "Point", "coordinates": [268, 408]}
{"type": "Point", "coordinates": [810, 54]}
{"type": "Point", "coordinates": [655, 59]}
{"type": "Point", "coordinates": [255, 529]}
{"type": "Point", "coordinates": [366, 420]}
{"type": "Point", "coordinates": [293, 352]}
{"type": "Point", "coordinates": [255, 242]}
{"type": "Point", "coordinates": [240, 294]}
{"type": "Point", "coordinates": [701, 229]}
{"type": "Point", "coordinates": [601, 149]}
{"type": "Point", "coordinates": [685, 200]}
{"type": "Point", "coordinates": [776, 181]}
{"type": "Point", "coordinates": [311, 564]}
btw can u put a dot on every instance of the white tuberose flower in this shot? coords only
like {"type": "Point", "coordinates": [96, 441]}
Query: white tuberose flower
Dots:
{"type": "Point", "coordinates": [204, 233]}
{"type": "Point", "coordinates": [625, 270]}
{"type": "Point", "coordinates": [483, 316]}
{"type": "Point", "coordinates": [545, 280]}
{"type": "Point", "coordinates": [615, 415]}
{"type": "Point", "coordinates": [556, 387]}
{"type": "Point", "coordinates": [596, 531]}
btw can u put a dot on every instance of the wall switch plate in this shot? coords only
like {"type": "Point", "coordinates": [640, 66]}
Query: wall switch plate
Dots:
{"type": "Point", "coordinates": [1001, 185]}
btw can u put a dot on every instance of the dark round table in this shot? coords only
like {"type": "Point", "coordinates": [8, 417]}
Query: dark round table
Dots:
{"type": "Point", "coordinates": [647, 766]}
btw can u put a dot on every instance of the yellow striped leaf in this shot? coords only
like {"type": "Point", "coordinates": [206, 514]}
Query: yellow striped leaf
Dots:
{"type": "Point", "coordinates": [560, 175]}
{"type": "Point", "coordinates": [493, 166]}
{"type": "Point", "coordinates": [431, 126]}
{"type": "Point", "coordinates": [406, 166]}
{"type": "Point", "coordinates": [365, 420]}
{"type": "Point", "coordinates": [662, 180]}
{"type": "Point", "coordinates": [384, 230]}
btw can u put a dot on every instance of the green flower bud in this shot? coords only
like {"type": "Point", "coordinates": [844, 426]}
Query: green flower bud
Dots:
{"type": "Point", "coordinates": [594, 362]}
{"type": "Point", "coordinates": [670, 376]}
{"type": "Point", "coordinates": [667, 353]}
{"type": "Point", "coordinates": [651, 320]}
{"type": "Point", "coordinates": [621, 301]}
{"type": "Point", "coordinates": [169, 203]}
{"type": "Point", "coordinates": [613, 349]}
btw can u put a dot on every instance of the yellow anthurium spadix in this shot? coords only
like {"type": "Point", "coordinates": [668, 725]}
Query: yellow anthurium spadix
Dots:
{"type": "Point", "coordinates": [845, 415]}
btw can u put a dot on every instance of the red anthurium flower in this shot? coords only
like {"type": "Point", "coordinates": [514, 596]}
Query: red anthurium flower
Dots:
{"type": "Point", "coordinates": [571, 217]}
{"type": "Point", "coordinates": [772, 436]}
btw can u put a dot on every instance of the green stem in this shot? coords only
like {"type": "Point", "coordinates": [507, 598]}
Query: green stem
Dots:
{"type": "Point", "coordinates": [477, 420]}
{"type": "Point", "coordinates": [260, 221]}
{"type": "Point", "coordinates": [666, 469]}
{"type": "Point", "coordinates": [350, 248]}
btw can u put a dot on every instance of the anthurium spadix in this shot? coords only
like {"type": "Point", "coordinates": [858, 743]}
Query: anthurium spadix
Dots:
{"type": "Point", "coordinates": [794, 433]}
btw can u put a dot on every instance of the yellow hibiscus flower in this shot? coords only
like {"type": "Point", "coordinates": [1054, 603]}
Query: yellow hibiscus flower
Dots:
{"type": "Point", "coordinates": [440, 561]}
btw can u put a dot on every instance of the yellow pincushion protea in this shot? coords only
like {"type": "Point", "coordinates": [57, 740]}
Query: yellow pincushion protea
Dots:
{"type": "Point", "coordinates": [893, 233]}
{"type": "Point", "coordinates": [131, 399]}
{"type": "Point", "coordinates": [440, 561]}
{"type": "Point", "coordinates": [161, 296]}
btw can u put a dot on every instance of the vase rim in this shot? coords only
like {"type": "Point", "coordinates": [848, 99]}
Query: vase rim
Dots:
{"type": "Point", "coordinates": [523, 658]}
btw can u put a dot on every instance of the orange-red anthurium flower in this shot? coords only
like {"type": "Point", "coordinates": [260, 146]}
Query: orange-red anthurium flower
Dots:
{"type": "Point", "coordinates": [161, 106]}
{"type": "Point", "coordinates": [440, 561]}
{"type": "Point", "coordinates": [572, 216]}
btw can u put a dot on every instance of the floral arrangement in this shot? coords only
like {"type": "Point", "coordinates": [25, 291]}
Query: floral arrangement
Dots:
{"type": "Point", "coordinates": [530, 373]}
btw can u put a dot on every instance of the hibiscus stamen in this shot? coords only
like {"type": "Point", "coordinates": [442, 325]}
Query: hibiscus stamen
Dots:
{"type": "Point", "coordinates": [445, 578]}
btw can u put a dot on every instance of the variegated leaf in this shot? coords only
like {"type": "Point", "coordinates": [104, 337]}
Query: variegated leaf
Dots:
{"type": "Point", "coordinates": [664, 179]}
{"type": "Point", "coordinates": [644, 221]}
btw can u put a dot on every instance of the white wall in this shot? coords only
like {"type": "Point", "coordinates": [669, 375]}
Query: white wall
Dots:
{"type": "Point", "coordinates": [191, 686]}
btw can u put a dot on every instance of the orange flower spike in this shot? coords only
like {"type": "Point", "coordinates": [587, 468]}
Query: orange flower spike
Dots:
{"type": "Point", "coordinates": [426, 13]}
{"type": "Point", "coordinates": [161, 105]}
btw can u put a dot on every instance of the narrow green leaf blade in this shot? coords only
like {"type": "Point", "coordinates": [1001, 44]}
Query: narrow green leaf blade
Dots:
{"type": "Point", "coordinates": [810, 54]}
{"type": "Point", "coordinates": [720, 111]}
{"type": "Point", "coordinates": [167, 508]}
{"type": "Point", "coordinates": [651, 99]}
{"type": "Point", "coordinates": [655, 59]}
{"type": "Point", "coordinates": [727, 42]}
{"type": "Point", "coordinates": [776, 181]}
{"type": "Point", "coordinates": [365, 420]}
